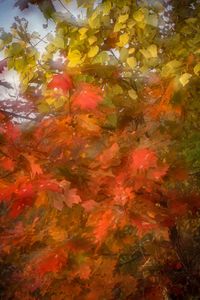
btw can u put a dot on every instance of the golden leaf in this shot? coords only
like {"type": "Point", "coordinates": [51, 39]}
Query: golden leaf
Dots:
{"type": "Point", "coordinates": [131, 61]}
{"type": "Point", "coordinates": [93, 51]}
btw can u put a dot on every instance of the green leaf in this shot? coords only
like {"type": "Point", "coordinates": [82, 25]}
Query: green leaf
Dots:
{"type": "Point", "coordinates": [111, 122]}
{"type": "Point", "coordinates": [59, 42]}
{"type": "Point", "coordinates": [124, 54]}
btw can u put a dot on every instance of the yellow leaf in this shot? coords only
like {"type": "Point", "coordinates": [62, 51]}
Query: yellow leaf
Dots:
{"type": "Point", "coordinates": [92, 39]}
{"type": "Point", "coordinates": [131, 50]}
{"type": "Point", "coordinates": [123, 40]}
{"type": "Point", "coordinates": [94, 20]}
{"type": "Point", "coordinates": [132, 94]}
{"type": "Point", "coordinates": [50, 100]}
{"type": "Point", "coordinates": [197, 69]}
{"type": "Point", "coordinates": [131, 61]}
{"type": "Point", "coordinates": [150, 52]}
{"type": "Point", "coordinates": [123, 18]}
{"type": "Point", "coordinates": [171, 68]}
{"type": "Point", "coordinates": [93, 51]}
{"type": "Point", "coordinates": [153, 50]}
{"type": "Point", "coordinates": [118, 27]}
{"type": "Point", "coordinates": [145, 53]}
{"type": "Point", "coordinates": [138, 15]}
{"type": "Point", "coordinates": [83, 30]}
{"type": "Point", "coordinates": [74, 57]}
{"type": "Point", "coordinates": [184, 79]}
{"type": "Point", "coordinates": [106, 7]}
{"type": "Point", "coordinates": [131, 23]}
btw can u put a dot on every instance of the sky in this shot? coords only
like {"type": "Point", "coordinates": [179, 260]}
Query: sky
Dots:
{"type": "Point", "coordinates": [33, 15]}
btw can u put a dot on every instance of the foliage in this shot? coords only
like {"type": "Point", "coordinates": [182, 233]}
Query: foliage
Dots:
{"type": "Point", "coordinates": [99, 154]}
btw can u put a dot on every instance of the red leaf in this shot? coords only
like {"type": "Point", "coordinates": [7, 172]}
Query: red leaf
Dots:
{"type": "Point", "coordinates": [12, 132]}
{"type": "Point", "coordinates": [158, 173]}
{"type": "Point", "coordinates": [143, 226]}
{"type": "Point", "coordinates": [19, 205]}
{"type": "Point", "coordinates": [53, 262]}
{"type": "Point", "coordinates": [7, 164]}
{"type": "Point", "coordinates": [49, 184]}
{"type": "Point", "coordinates": [143, 159]}
{"type": "Point", "coordinates": [60, 81]}
{"type": "Point", "coordinates": [87, 97]}
{"type": "Point", "coordinates": [23, 198]}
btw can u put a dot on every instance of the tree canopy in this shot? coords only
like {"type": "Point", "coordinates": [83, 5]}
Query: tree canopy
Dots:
{"type": "Point", "coordinates": [100, 152]}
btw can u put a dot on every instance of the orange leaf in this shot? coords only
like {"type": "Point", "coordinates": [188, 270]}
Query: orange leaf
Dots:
{"type": "Point", "coordinates": [105, 222]}
{"type": "Point", "coordinates": [108, 156]}
{"type": "Point", "coordinates": [87, 97]}
{"type": "Point", "coordinates": [143, 159]}
{"type": "Point", "coordinates": [35, 167]}
{"type": "Point", "coordinates": [72, 197]}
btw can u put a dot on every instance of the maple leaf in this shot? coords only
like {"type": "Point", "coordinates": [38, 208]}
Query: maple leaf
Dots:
{"type": "Point", "coordinates": [109, 155]}
{"type": "Point", "coordinates": [12, 132]}
{"type": "Point", "coordinates": [83, 272]}
{"type": "Point", "coordinates": [23, 198]}
{"type": "Point", "coordinates": [122, 194]}
{"type": "Point", "coordinates": [143, 226]}
{"type": "Point", "coordinates": [143, 159]}
{"type": "Point", "coordinates": [103, 224]}
{"type": "Point", "coordinates": [51, 262]}
{"type": "Point", "coordinates": [35, 167]}
{"type": "Point", "coordinates": [7, 164]}
{"type": "Point", "coordinates": [89, 205]}
{"type": "Point", "coordinates": [87, 124]}
{"type": "Point", "coordinates": [158, 173]}
{"type": "Point", "coordinates": [87, 97]}
{"type": "Point", "coordinates": [60, 81]}
{"type": "Point", "coordinates": [72, 197]}
{"type": "Point", "coordinates": [6, 192]}
{"type": "Point", "coordinates": [49, 184]}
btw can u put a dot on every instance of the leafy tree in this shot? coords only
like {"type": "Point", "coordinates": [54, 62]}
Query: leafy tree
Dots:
{"type": "Point", "coordinates": [99, 153]}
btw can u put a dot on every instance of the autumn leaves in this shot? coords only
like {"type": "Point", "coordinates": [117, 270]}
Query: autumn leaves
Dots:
{"type": "Point", "coordinates": [86, 96]}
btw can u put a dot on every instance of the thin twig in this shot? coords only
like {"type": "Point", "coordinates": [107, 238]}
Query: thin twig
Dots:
{"type": "Point", "coordinates": [17, 115]}
{"type": "Point", "coordinates": [67, 10]}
